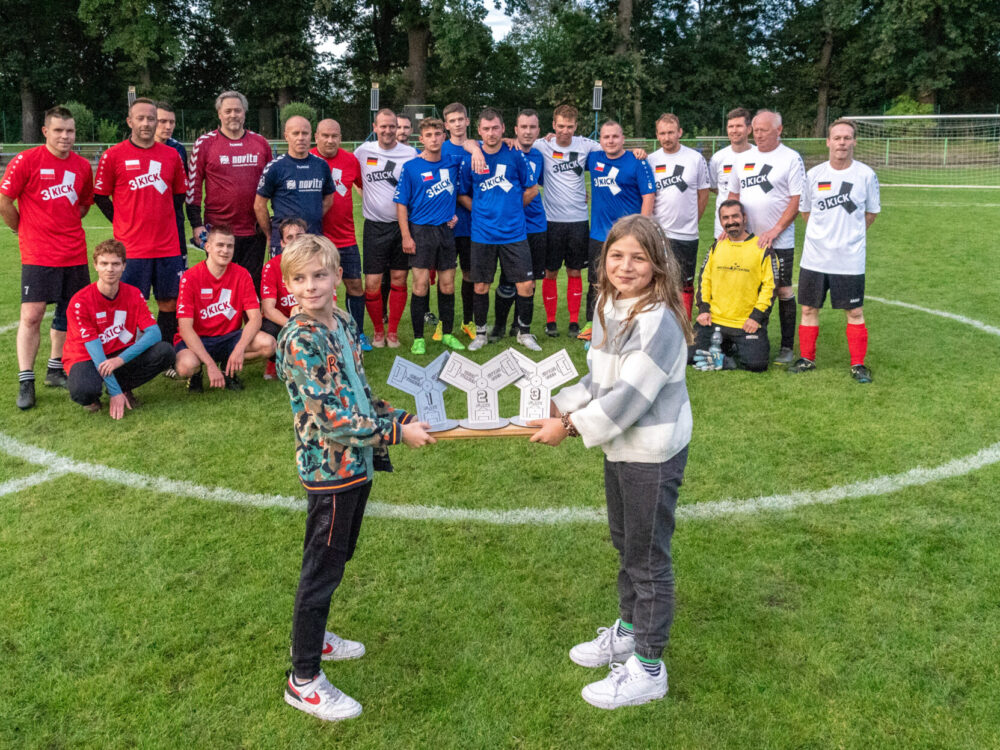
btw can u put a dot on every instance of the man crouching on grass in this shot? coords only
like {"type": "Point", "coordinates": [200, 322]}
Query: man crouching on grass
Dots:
{"type": "Point", "coordinates": [112, 340]}
{"type": "Point", "coordinates": [342, 433]}
{"type": "Point", "coordinates": [213, 298]}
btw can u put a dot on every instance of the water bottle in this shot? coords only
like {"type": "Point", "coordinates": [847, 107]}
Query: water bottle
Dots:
{"type": "Point", "coordinates": [716, 348]}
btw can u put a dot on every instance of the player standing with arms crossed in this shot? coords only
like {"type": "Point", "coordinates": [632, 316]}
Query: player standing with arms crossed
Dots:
{"type": "Point", "coordinates": [138, 185]}
{"type": "Point", "coordinates": [841, 202]}
{"type": "Point", "coordinates": [633, 402]}
{"type": "Point", "coordinates": [54, 189]}
{"type": "Point", "coordinates": [342, 435]}
{"type": "Point", "coordinates": [680, 175]}
{"type": "Point", "coordinates": [768, 180]}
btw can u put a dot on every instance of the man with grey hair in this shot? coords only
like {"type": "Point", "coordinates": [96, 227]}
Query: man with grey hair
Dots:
{"type": "Point", "coordinates": [226, 166]}
{"type": "Point", "coordinates": [768, 180]}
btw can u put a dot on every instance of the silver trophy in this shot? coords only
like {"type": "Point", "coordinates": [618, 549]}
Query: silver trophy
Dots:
{"type": "Point", "coordinates": [481, 384]}
{"type": "Point", "coordinates": [538, 381]}
{"type": "Point", "coordinates": [422, 383]}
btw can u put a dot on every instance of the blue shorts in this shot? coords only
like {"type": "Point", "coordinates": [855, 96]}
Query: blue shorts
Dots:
{"type": "Point", "coordinates": [162, 274]}
{"type": "Point", "coordinates": [350, 261]}
{"type": "Point", "coordinates": [218, 347]}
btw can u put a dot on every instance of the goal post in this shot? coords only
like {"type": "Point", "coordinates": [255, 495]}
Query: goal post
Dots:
{"type": "Point", "coordinates": [956, 151]}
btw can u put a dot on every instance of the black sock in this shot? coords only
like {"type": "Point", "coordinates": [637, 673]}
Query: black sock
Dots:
{"type": "Point", "coordinates": [786, 314]}
{"type": "Point", "coordinates": [167, 322]}
{"type": "Point", "coordinates": [481, 309]}
{"type": "Point", "coordinates": [468, 300]}
{"type": "Point", "coordinates": [356, 307]}
{"type": "Point", "coordinates": [524, 311]}
{"type": "Point", "coordinates": [501, 309]}
{"type": "Point", "coordinates": [446, 311]}
{"type": "Point", "coordinates": [419, 305]}
{"type": "Point", "coordinates": [591, 299]}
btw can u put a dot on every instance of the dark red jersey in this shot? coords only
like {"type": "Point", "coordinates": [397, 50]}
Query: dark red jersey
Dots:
{"type": "Point", "coordinates": [116, 322]}
{"type": "Point", "coordinates": [272, 286]}
{"type": "Point", "coordinates": [49, 192]}
{"type": "Point", "coordinates": [216, 305]}
{"type": "Point", "coordinates": [338, 222]}
{"type": "Point", "coordinates": [227, 171]}
{"type": "Point", "coordinates": [142, 183]}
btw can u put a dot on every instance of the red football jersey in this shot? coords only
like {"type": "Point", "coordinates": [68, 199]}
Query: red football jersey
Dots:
{"type": "Point", "coordinates": [215, 305]}
{"type": "Point", "coordinates": [338, 222]}
{"type": "Point", "coordinates": [49, 192]}
{"type": "Point", "coordinates": [116, 322]}
{"type": "Point", "coordinates": [272, 286]}
{"type": "Point", "coordinates": [229, 170]}
{"type": "Point", "coordinates": [142, 183]}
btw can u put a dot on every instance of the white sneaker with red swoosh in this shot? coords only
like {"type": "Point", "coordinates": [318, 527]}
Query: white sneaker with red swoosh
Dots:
{"type": "Point", "coordinates": [336, 648]}
{"type": "Point", "coordinates": [321, 699]}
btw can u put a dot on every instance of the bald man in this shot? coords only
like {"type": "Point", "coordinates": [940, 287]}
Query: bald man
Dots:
{"type": "Point", "coordinates": [338, 222]}
{"type": "Point", "coordinates": [298, 184]}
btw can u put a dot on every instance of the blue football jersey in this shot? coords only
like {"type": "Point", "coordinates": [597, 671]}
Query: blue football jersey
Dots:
{"type": "Point", "coordinates": [296, 188]}
{"type": "Point", "coordinates": [497, 196]}
{"type": "Point", "coordinates": [534, 212]}
{"type": "Point", "coordinates": [429, 190]}
{"type": "Point", "coordinates": [616, 189]}
{"type": "Point", "coordinates": [464, 226]}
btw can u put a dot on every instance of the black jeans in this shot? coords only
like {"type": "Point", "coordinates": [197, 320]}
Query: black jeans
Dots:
{"type": "Point", "coordinates": [642, 501]}
{"type": "Point", "coordinates": [333, 523]}
{"type": "Point", "coordinates": [85, 383]}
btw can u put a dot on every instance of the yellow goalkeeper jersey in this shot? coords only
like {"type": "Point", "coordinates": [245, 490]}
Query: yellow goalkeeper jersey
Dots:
{"type": "Point", "coordinates": [737, 282]}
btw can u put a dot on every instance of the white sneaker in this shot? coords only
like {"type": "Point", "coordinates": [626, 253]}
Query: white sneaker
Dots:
{"type": "Point", "coordinates": [528, 341]}
{"type": "Point", "coordinates": [477, 343]}
{"type": "Point", "coordinates": [607, 647]}
{"type": "Point", "coordinates": [321, 699]}
{"type": "Point", "coordinates": [336, 648]}
{"type": "Point", "coordinates": [627, 684]}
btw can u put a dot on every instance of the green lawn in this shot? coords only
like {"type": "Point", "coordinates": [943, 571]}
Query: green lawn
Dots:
{"type": "Point", "coordinates": [140, 616]}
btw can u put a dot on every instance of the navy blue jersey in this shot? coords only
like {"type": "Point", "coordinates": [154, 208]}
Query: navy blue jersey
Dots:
{"type": "Point", "coordinates": [428, 189]}
{"type": "Point", "coordinates": [296, 188]}
{"type": "Point", "coordinates": [464, 226]}
{"type": "Point", "coordinates": [534, 212]}
{"type": "Point", "coordinates": [497, 196]}
{"type": "Point", "coordinates": [616, 189]}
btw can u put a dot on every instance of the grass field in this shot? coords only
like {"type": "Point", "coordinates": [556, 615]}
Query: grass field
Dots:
{"type": "Point", "coordinates": [142, 613]}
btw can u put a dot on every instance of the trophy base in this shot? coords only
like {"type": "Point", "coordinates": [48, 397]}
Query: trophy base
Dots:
{"type": "Point", "coordinates": [470, 425]}
{"type": "Point", "coordinates": [447, 424]}
{"type": "Point", "coordinates": [520, 422]}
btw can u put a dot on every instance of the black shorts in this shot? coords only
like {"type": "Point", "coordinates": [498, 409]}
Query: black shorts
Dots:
{"type": "Point", "coordinates": [786, 259]}
{"type": "Point", "coordinates": [270, 328]}
{"type": "Point", "coordinates": [249, 253]}
{"type": "Point", "coordinates": [218, 347]}
{"type": "Point", "coordinates": [52, 283]}
{"type": "Point", "coordinates": [350, 261]}
{"type": "Point", "coordinates": [594, 248]}
{"type": "Point", "coordinates": [567, 243]}
{"type": "Point", "coordinates": [514, 257]}
{"type": "Point", "coordinates": [435, 247]}
{"type": "Point", "coordinates": [752, 351]}
{"type": "Point", "coordinates": [463, 246]}
{"type": "Point", "coordinates": [538, 244]}
{"type": "Point", "coordinates": [162, 274]}
{"type": "Point", "coordinates": [383, 245]}
{"type": "Point", "coordinates": [686, 252]}
{"type": "Point", "coordinates": [846, 291]}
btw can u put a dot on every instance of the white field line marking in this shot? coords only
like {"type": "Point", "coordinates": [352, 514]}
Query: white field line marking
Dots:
{"type": "Point", "coordinates": [16, 485]}
{"type": "Point", "coordinates": [535, 516]}
{"type": "Point", "coordinates": [13, 326]}
{"type": "Point", "coordinates": [923, 204]}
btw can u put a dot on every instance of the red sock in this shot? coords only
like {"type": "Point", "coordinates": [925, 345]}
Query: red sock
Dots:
{"type": "Point", "coordinates": [550, 298]}
{"type": "Point", "coordinates": [857, 343]}
{"type": "Point", "coordinates": [688, 295]}
{"type": "Point", "coordinates": [574, 292]}
{"type": "Point", "coordinates": [373, 304]}
{"type": "Point", "coordinates": [397, 303]}
{"type": "Point", "coordinates": [807, 341]}
{"type": "Point", "coordinates": [433, 276]}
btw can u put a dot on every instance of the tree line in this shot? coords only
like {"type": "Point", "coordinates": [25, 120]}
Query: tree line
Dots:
{"type": "Point", "coordinates": [813, 60]}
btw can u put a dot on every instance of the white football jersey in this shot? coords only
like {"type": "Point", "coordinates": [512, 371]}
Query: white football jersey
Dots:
{"type": "Point", "coordinates": [380, 171]}
{"type": "Point", "coordinates": [837, 201]}
{"type": "Point", "coordinates": [766, 182]}
{"type": "Point", "coordinates": [564, 191]}
{"type": "Point", "coordinates": [720, 166]}
{"type": "Point", "coordinates": [678, 178]}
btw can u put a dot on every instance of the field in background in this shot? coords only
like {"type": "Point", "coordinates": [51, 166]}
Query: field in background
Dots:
{"type": "Point", "coordinates": [140, 616]}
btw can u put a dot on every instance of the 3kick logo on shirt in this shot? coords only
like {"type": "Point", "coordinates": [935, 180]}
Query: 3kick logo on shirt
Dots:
{"type": "Point", "coordinates": [383, 175]}
{"type": "Point", "coordinates": [573, 162]}
{"type": "Point", "coordinates": [760, 180]}
{"type": "Point", "coordinates": [843, 199]}
{"type": "Point", "coordinates": [498, 180]}
{"type": "Point", "coordinates": [150, 179]}
{"type": "Point", "coordinates": [676, 179]}
{"type": "Point", "coordinates": [444, 185]}
{"type": "Point", "coordinates": [117, 328]}
{"type": "Point", "coordinates": [66, 190]}
{"type": "Point", "coordinates": [222, 307]}
{"type": "Point", "coordinates": [338, 180]}
{"type": "Point", "coordinates": [609, 181]}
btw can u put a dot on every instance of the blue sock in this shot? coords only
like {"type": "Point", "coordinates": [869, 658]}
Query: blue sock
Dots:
{"type": "Point", "coordinates": [652, 666]}
{"type": "Point", "coordinates": [624, 629]}
{"type": "Point", "coordinates": [356, 307]}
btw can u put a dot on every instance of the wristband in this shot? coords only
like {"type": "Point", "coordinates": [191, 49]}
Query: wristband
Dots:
{"type": "Point", "coordinates": [568, 426]}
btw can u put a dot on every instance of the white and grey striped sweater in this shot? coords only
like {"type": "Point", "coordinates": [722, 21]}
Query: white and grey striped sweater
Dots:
{"type": "Point", "coordinates": [633, 402]}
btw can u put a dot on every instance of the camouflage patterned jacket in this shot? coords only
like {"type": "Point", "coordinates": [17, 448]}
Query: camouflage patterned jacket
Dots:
{"type": "Point", "coordinates": [341, 431]}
